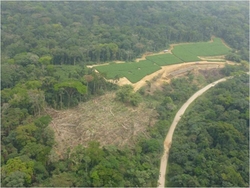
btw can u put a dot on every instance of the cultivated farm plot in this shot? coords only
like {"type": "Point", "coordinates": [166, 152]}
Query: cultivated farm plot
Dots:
{"type": "Point", "coordinates": [164, 59]}
{"type": "Point", "coordinates": [184, 54]}
{"type": "Point", "coordinates": [189, 52]}
{"type": "Point", "coordinates": [134, 72]}
{"type": "Point", "coordinates": [131, 70]}
{"type": "Point", "coordinates": [214, 48]}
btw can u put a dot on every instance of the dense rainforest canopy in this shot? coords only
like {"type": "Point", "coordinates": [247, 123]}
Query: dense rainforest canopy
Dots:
{"type": "Point", "coordinates": [211, 143]}
{"type": "Point", "coordinates": [45, 49]}
{"type": "Point", "coordinates": [74, 32]}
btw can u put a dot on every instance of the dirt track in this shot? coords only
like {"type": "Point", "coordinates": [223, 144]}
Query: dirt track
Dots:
{"type": "Point", "coordinates": [166, 72]}
{"type": "Point", "coordinates": [168, 140]}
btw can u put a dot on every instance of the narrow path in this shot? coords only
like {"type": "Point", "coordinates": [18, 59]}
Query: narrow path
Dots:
{"type": "Point", "coordinates": [168, 140]}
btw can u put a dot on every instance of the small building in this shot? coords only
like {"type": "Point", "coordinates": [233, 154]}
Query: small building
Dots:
{"type": "Point", "coordinates": [165, 51]}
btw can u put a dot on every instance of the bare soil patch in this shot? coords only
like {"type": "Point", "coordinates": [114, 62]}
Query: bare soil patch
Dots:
{"type": "Point", "coordinates": [172, 71]}
{"type": "Point", "coordinates": [212, 58]}
{"type": "Point", "coordinates": [102, 119]}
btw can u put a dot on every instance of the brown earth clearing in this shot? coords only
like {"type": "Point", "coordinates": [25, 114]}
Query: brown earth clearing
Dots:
{"type": "Point", "coordinates": [102, 119]}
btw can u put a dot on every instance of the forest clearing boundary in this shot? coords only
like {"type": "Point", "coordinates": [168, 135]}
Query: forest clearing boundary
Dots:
{"type": "Point", "coordinates": [150, 63]}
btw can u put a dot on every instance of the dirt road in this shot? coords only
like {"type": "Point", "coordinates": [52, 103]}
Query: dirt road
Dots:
{"type": "Point", "coordinates": [168, 140]}
{"type": "Point", "coordinates": [168, 70]}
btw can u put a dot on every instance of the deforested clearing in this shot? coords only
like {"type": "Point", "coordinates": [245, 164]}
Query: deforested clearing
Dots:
{"type": "Point", "coordinates": [102, 119]}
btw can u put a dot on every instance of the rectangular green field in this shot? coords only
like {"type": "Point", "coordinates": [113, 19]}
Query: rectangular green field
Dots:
{"type": "Point", "coordinates": [164, 59]}
{"type": "Point", "coordinates": [184, 54]}
{"type": "Point", "coordinates": [189, 52]}
{"type": "Point", "coordinates": [136, 75]}
{"type": "Point", "coordinates": [181, 53]}
{"type": "Point", "coordinates": [208, 48]}
{"type": "Point", "coordinates": [113, 70]}
{"type": "Point", "coordinates": [134, 72]}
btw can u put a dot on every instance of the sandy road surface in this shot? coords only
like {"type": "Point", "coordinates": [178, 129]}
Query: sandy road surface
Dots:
{"type": "Point", "coordinates": [168, 140]}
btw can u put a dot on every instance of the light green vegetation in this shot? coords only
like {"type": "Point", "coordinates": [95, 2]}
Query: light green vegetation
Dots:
{"type": "Point", "coordinates": [189, 52]}
{"type": "Point", "coordinates": [131, 70]}
{"type": "Point", "coordinates": [185, 52]}
{"type": "Point", "coordinates": [164, 59]}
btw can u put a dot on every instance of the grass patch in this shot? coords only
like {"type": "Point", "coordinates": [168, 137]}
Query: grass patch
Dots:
{"type": "Point", "coordinates": [189, 52]}
{"type": "Point", "coordinates": [131, 70]}
{"type": "Point", "coordinates": [184, 54]}
{"type": "Point", "coordinates": [164, 59]}
{"type": "Point", "coordinates": [181, 53]}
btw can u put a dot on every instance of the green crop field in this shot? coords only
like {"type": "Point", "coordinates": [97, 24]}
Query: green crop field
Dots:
{"type": "Point", "coordinates": [189, 52]}
{"type": "Point", "coordinates": [181, 53]}
{"type": "Point", "coordinates": [184, 54]}
{"type": "Point", "coordinates": [208, 49]}
{"type": "Point", "coordinates": [134, 72]}
{"type": "Point", "coordinates": [164, 59]}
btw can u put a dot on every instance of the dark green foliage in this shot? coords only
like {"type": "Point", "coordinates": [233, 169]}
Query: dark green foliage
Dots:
{"type": "Point", "coordinates": [72, 88]}
{"type": "Point", "coordinates": [43, 121]}
{"type": "Point", "coordinates": [230, 70]}
{"type": "Point", "coordinates": [151, 146]}
{"type": "Point", "coordinates": [16, 179]}
{"type": "Point", "coordinates": [40, 172]}
{"type": "Point", "coordinates": [104, 167]}
{"type": "Point", "coordinates": [17, 172]}
{"type": "Point", "coordinates": [45, 48]}
{"type": "Point", "coordinates": [233, 57]}
{"type": "Point", "coordinates": [75, 32]}
{"type": "Point", "coordinates": [215, 133]}
{"type": "Point", "coordinates": [10, 75]}
{"type": "Point", "coordinates": [126, 95]}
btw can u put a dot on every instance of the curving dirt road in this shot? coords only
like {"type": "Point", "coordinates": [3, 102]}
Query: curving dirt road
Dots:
{"type": "Point", "coordinates": [168, 140]}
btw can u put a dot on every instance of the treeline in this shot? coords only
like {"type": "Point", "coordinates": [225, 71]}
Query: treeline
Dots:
{"type": "Point", "coordinates": [30, 86]}
{"type": "Point", "coordinates": [211, 142]}
{"type": "Point", "coordinates": [93, 32]}
{"type": "Point", "coordinates": [27, 157]}
{"type": "Point", "coordinates": [40, 42]}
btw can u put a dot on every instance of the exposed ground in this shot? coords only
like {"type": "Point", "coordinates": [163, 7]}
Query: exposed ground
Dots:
{"type": "Point", "coordinates": [102, 119]}
{"type": "Point", "coordinates": [167, 72]}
